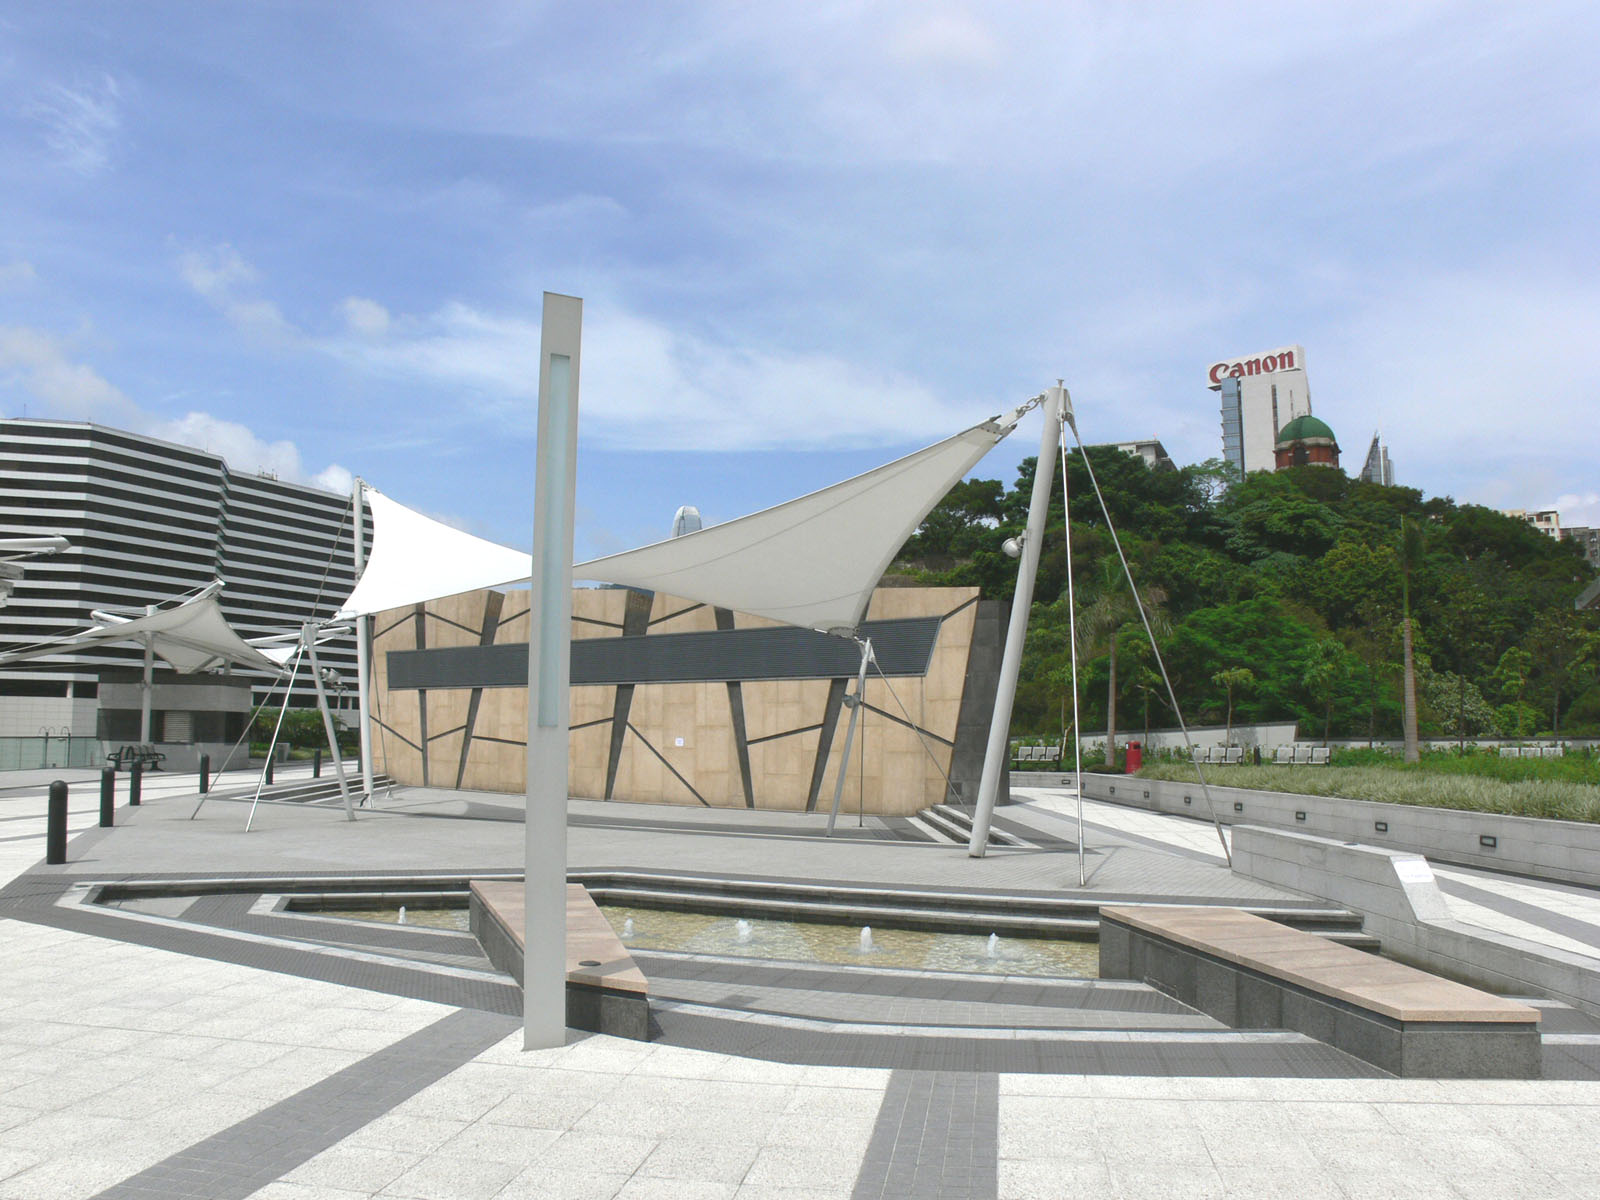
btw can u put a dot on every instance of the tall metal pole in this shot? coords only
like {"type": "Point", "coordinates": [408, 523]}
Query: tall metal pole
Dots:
{"type": "Point", "coordinates": [994, 759]}
{"type": "Point", "coordinates": [309, 634]}
{"type": "Point", "coordinates": [544, 964]}
{"type": "Point", "coordinates": [854, 704]}
{"type": "Point", "coordinates": [363, 648]}
{"type": "Point", "coordinates": [147, 685]}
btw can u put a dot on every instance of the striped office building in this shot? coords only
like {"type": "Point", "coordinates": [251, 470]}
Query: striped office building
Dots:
{"type": "Point", "coordinates": [149, 521]}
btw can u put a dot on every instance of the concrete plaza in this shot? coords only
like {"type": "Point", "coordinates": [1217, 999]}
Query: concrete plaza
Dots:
{"type": "Point", "coordinates": [207, 1053]}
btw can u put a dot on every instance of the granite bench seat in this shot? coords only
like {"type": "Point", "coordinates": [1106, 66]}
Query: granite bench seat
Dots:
{"type": "Point", "coordinates": [606, 991]}
{"type": "Point", "coordinates": [1251, 973]}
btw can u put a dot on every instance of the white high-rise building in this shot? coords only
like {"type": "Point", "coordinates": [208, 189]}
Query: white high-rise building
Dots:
{"type": "Point", "coordinates": [1261, 393]}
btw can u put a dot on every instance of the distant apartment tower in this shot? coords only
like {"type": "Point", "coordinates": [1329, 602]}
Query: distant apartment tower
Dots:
{"type": "Point", "coordinates": [1377, 468]}
{"type": "Point", "coordinates": [149, 521]}
{"type": "Point", "coordinates": [1151, 450]}
{"type": "Point", "coordinates": [1261, 393]}
{"type": "Point", "coordinates": [1588, 540]}
{"type": "Point", "coordinates": [1546, 520]}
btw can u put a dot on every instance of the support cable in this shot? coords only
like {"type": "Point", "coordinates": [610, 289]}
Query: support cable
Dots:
{"type": "Point", "coordinates": [1072, 640]}
{"type": "Point", "coordinates": [949, 787]}
{"type": "Point", "coordinates": [273, 744]}
{"type": "Point", "coordinates": [1150, 633]}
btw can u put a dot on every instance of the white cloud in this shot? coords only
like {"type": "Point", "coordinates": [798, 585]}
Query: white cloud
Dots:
{"type": "Point", "coordinates": [17, 274]}
{"type": "Point", "coordinates": [222, 277]}
{"type": "Point", "coordinates": [367, 318]}
{"type": "Point", "coordinates": [1578, 509]}
{"type": "Point", "coordinates": [36, 363]}
{"type": "Point", "coordinates": [39, 365]}
{"type": "Point", "coordinates": [1483, 384]}
{"type": "Point", "coordinates": [646, 385]}
{"type": "Point", "coordinates": [80, 122]}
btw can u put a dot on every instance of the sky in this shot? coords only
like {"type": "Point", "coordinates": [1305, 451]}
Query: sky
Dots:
{"type": "Point", "coordinates": [314, 237]}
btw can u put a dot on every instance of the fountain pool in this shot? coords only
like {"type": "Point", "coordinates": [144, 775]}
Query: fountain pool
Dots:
{"type": "Point", "coordinates": [798, 941]}
{"type": "Point", "coordinates": [708, 933]}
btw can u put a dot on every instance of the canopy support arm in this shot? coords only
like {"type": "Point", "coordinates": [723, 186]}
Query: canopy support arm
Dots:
{"type": "Point", "coordinates": [994, 759]}
{"type": "Point", "coordinates": [363, 650]}
{"type": "Point", "coordinates": [310, 635]}
{"type": "Point", "coordinates": [854, 704]}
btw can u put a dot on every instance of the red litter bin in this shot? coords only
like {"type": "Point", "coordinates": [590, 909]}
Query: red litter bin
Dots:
{"type": "Point", "coordinates": [1135, 758]}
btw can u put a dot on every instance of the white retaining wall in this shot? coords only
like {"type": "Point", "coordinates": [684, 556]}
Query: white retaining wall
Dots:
{"type": "Point", "coordinates": [1401, 904]}
{"type": "Point", "coordinates": [1564, 850]}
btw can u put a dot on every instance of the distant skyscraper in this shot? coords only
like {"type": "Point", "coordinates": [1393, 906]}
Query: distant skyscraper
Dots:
{"type": "Point", "coordinates": [686, 520]}
{"type": "Point", "coordinates": [1378, 468]}
{"type": "Point", "coordinates": [1261, 393]}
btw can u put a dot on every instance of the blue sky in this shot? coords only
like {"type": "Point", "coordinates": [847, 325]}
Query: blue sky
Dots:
{"type": "Point", "coordinates": [315, 236]}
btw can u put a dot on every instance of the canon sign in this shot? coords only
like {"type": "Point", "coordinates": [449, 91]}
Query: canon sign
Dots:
{"type": "Point", "coordinates": [1288, 358]}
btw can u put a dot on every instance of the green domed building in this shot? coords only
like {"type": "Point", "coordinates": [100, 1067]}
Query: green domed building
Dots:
{"type": "Point", "coordinates": [1306, 441]}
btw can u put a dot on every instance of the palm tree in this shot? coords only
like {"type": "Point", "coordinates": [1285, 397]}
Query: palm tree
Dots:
{"type": "Point", "coordinates": [1410, 559]}
{"type": "Point", "coordinates": [1324, 671]}
{"type": "Point", "coordinates": [1108, 614]}
{"type": "Point", "coordinates": [1234, 679]}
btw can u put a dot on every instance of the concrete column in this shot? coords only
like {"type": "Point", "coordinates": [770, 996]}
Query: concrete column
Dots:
{"type": "Point", "coordinates": [995, 757]}
{"type": "Point", "coordinates": [544, 975]}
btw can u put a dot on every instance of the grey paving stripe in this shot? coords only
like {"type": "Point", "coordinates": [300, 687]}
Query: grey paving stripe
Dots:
{"type": "Point", "coordinates": [253, 1153]}
{"type": "Point", "coordinates": [1533, 914]}
{"type": "Point", "coordinates": [936, 1138]}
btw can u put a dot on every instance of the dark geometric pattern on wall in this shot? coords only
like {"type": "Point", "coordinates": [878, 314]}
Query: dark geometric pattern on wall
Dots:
{"type": "Point", "coordinates": [419, 666]}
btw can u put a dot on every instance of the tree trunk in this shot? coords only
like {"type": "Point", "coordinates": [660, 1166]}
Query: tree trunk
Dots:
{"type": "Point", "coordinates": [1461, 721]}
{"type": "Point", "coordinates": [1412, 754]}
{"type": "Point", "coordinates": [1227, 733]}
{"type": "Point", "coordinates": [1111, 708]}
{"type": "Point", "coordinates": [1327, 720]}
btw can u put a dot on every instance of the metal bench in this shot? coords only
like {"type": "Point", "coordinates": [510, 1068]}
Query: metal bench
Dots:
{"type": "Point", "coordinates": [1283, 755]}
{"type": "Point", "coordinates": [1319, 756]}
{"type": "Point", "coordinates": [124, 757]}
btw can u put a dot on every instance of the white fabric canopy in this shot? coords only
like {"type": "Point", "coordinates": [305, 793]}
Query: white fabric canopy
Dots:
{"type": "Point", "coordinates": [191, 636]}
{"type": "Point", "coordinates": [415, 558]}
{"type": "Point", "coordinates": [812, 562]}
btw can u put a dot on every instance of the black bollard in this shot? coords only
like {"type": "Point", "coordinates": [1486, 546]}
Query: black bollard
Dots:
{"type": "Point", "coordinates": [135, 782]}
{"type": "Point", "coordinates": [269, 767]}
{"type": "Point", "coordinates": [205, 773]}
{"type": "Point", "coordinates": [55, 834]}
{"type": "Point", "coordinates": [108, 796]}
{"type": "Point", "coordinates": [316, 764]}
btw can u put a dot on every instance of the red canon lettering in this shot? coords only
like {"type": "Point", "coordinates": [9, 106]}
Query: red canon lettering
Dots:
{"type": "Point", "coordinates": [1217, 372]}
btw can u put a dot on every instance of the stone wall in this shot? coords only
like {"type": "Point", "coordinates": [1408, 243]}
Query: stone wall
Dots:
{"type": "Point", "coordinates": [767, 743]}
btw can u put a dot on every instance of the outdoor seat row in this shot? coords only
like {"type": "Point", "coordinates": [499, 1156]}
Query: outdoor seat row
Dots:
{"type": "Point", "coordinates": [1295, 755]}
{"type": "Point", "coordinates": [1556, 751]}
{"type": "Point", "coordinates": [1037, 754]}
{"type": "Point", "coordinates": [124, 757]}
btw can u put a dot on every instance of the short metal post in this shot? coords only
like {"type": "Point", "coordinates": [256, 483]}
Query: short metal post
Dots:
{"type": "Point", "coordinates": [55, 837]}
{"type": "Point", "coordinates": [269, 764]}
{"type": "Point", "coordinates": [135, 782]}
{"type": "Point", "coordinates": [108, 797]}
{"type": "Point", "coordinates": [316, 764]}
{"type": "Point", "coordinates": [205, 773]}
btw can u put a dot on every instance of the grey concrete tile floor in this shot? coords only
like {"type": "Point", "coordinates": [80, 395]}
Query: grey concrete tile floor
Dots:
{"type": "Point", "coordinates": [126, 1069]}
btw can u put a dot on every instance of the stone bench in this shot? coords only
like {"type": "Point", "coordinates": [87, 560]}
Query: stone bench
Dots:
{"type": "Point", "coordinates": [606, 992]}
{"type": "Point", "coordinates": [1251, 973]}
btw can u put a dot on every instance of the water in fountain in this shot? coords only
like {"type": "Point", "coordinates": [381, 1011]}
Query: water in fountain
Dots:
{"type": "Point", "coordinates": [866, 939]}
{"type": "Point", "coordinates": [743, 928]}
{"type": "Point", "coordinates": [402, 919]}
{"type": "Point", "coordinates": [994, 945]}
{"type": "Point", "coordinates": [627, 928]}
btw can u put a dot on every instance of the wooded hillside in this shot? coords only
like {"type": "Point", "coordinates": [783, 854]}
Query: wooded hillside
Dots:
{"type": "Point", "coordinates": [1283, 593]}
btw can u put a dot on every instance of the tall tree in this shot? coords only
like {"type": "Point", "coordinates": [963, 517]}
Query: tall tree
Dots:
{"type": "Point", "coordinates": [1240, 679]}
{"type": "Point", "coordinates": [1326, 668]}
{"type": "Point", "coordinates": [1112, 610]}
{"type": "Point", "coordinates": [1410, 560]}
